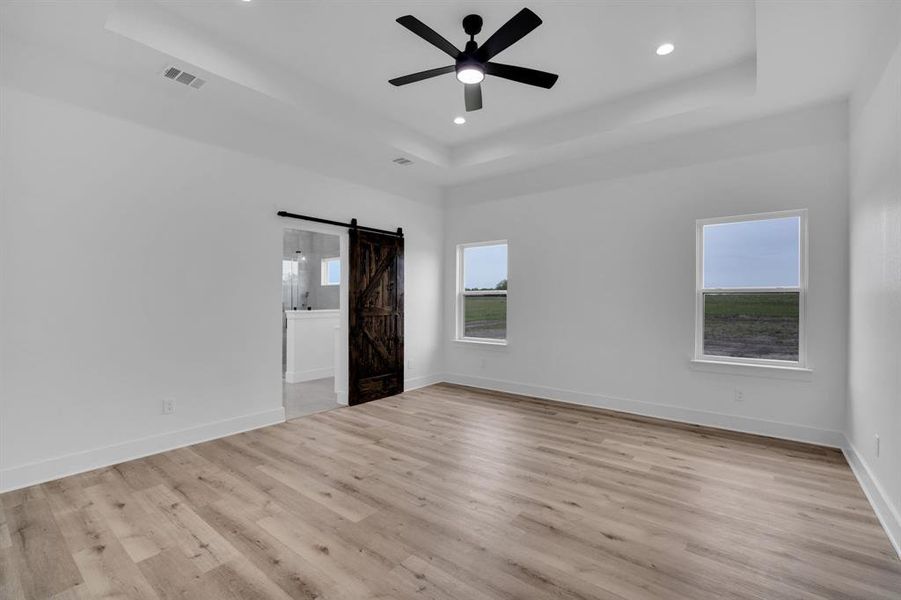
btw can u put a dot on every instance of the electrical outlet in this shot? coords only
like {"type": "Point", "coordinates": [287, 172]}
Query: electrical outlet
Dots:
{"type": "Point", "coordinates": [877, 445]}
{"type": "Point", "coordinates": [410, 365]}
{"type": "Point", "coordinates": [739, 396]}
{"type": "Point", "coordinates": [168, 406]}
{"type": "Point", "coordinates": [482, 364]}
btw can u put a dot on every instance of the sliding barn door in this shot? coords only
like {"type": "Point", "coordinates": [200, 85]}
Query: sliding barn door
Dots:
{"type": "Point", "coordinates": [376, 298]}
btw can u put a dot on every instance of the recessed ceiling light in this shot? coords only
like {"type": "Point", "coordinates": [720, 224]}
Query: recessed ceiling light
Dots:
{"type": "Point", "coordinates": [664, 49]}
{"type": "Point", "coordinates": [459, 120]}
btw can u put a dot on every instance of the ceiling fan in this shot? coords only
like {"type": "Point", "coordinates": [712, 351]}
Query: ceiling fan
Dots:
{"type": "Point", "coordinates": [472, 64]}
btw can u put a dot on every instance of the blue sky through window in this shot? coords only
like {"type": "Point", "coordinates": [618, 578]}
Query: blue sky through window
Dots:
{"type": "Point", "coordinates": [763, 253]}
{"type": "Point", "coordinates": [484, 266]}
{"type": "Point", "coordinates": [334, 272]}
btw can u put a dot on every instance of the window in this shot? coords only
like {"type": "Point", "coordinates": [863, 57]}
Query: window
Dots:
{"type": "Point", "coordinates": [331, 271]}
{"type": "Point", "coordinates": [482, 292]}
{"type": "Point", "coordinates": [752, 288]}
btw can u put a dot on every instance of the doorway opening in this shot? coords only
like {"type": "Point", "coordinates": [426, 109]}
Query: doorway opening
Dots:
{"type": "Point", "coordinates": [314, 320]}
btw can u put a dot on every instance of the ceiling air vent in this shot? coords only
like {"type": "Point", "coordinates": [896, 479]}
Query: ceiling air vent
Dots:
{"type": "Point", "coordinates": [182, 77]}
{"type": "Point", "coordinates": [400, 160]}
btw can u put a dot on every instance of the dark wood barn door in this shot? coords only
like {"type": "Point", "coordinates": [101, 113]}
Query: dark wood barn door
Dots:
{"type": "Point", "coordinates": [376, 297]}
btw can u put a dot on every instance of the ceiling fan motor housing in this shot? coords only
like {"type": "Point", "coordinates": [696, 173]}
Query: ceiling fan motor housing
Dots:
{"type": "Point", "coordinates": [467, 59]}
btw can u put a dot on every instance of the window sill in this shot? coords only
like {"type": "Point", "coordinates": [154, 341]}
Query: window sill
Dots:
{"type": "Point", "coordinates": [488, 343]}
{"type": "Point", "coordinates": [752, 369]}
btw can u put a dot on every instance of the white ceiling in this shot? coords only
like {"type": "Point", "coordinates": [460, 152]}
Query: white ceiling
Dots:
{"type": "Point", "coordinates": [306, 82]}
{"type": "Point", "coordinates": [601, 50]}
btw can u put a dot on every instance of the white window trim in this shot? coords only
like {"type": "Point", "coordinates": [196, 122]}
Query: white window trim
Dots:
{"type": "Point", "coordinates": [323, 271]}
{"type": "Point", "coordinates": [699, 356]}
{"type": "Point", "coordinates": [461, 293]}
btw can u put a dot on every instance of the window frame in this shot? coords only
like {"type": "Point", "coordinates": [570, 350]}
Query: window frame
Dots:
{"type": "Point", "coordinates": [461, 294]}
{"type": "Point", "coordinates": [323, 271]}
{"type": "Point", "coordinates": [802, 289]}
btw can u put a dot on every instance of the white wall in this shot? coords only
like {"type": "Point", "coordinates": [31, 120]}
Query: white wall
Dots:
{"type": "Point", "coordinates": [106, 282]}
{"type": "Point", "coordinates": [874, 391]}
{"type": "Point", "coordinates": [602, 276]}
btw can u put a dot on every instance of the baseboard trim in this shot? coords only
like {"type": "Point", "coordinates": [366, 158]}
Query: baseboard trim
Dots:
{"type": "Point", "coordinates": [886, 513]}
{"type": "Point", "coordinates": [786, 431]}
{"type": "Point", "coordinates": [414, 383]}
{"type": "Point", "coordinates": [21, 476]}
{"type": "Point", "coordinates": [309, 375]}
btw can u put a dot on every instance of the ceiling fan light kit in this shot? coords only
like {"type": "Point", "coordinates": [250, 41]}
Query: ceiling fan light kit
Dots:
{"type": "Point", "coordinates": [472, 64]}
{"type": "Point", "coordinates": [470, 74]}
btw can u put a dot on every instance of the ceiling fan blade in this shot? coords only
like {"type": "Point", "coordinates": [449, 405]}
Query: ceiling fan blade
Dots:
{"type": "Point", "coordinates": [472, 93]}
{"type": "Point", "coordinates": [510, 32]}
{"type": "Point", "coordinates": [522, 75]}
{"type": "Point", "coordinates": [414, 77]}
{"type": "Point", "coordinates": [428, 34]}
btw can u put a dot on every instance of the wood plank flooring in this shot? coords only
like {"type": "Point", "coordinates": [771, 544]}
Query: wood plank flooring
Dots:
{"type": "Point", "coordinates": [455, 493]}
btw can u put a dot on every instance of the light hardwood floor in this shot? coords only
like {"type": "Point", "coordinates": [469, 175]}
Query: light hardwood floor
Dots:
{"type": "Point", "coordinates": [456, 493]}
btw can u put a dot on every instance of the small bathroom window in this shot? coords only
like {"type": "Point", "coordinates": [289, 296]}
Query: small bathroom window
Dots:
{"type": "Point", "coordinates": [331, 271]}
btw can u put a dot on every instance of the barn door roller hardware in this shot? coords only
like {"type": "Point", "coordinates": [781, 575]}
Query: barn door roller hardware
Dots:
{"type": "Point", "coordinates": [352, 225]}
